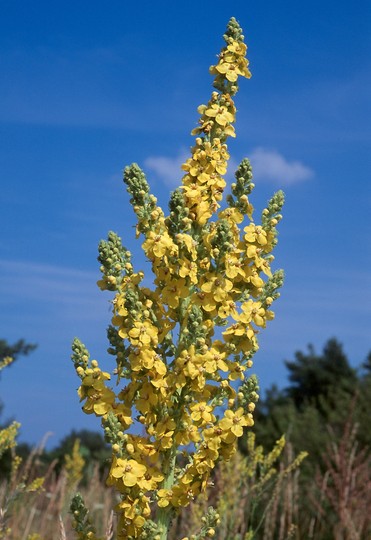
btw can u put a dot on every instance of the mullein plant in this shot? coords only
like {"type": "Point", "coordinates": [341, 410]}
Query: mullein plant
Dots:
{"type": "Point", "coordinates": [182, 346]}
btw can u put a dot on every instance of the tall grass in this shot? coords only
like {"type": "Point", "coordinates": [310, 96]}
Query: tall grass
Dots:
{"type": "Point", "coordinates": [44, 514]}
{"type": "Point", "coordinates": [258, 496]}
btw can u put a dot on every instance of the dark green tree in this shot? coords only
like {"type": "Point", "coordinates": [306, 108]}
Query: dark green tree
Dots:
{"type": "Point", "coordinates": [19, 348]}
{"type": "Point", "coordinates": [314, 376]}
{"type": "Point", "coordinates": [366, 367]}
{"type": "Point", "coordinates": [324, 392]}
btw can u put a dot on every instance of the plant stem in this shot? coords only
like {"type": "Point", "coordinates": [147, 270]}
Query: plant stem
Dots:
{"type": "Point", "coordinates": [165, 514]}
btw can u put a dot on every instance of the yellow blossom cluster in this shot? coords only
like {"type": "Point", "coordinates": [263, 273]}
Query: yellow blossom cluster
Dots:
{"type": "Point", "coordinates": [181, 345]}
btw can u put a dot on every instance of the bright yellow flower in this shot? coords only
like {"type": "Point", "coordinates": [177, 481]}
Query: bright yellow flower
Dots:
{"type": "Point", "coordinates": [129, 470]}
{"type": "Point", "coordinates": [227, 309]}
{"type": "Point", "coordinates": [147, 399]}
{"type": "Point", "coordinates": [235, 421]}
{"type": "Point", "coordinates": [255, 233]}
{"type": "Point", "coordinates": [232, 214]}
{"type": "Point", "coordinates": [164, 497]}
{"type": "Point", "coordinates": [218, 287]}
{"type": "Point", "coordinates": [201, 412]}
{"type": "Point", "coordinates": [142, 358]}
{"type": "Point", "coordinates": [190, 243]}
{"type": "Point", "coordinates": [253, 312]}
{"type": "Point", "coordinates": [187, 435]}
{"type": "Point", "coordinates": [188, 269]}
{"type": "Point", "coordinates": [237, 47]}
{"type": "Point", "coordinates": [174, 291]}
{"type": "Point", "coordinates": [220, 113]}
{"type": "Point", "coordinates": [233, 266]}
{"type": "Point", "coordinates": [143, 333]}
{"type": "Point", "coordinates": [163, 431]}
{"type": "Point", "coordinates": [159, 245]}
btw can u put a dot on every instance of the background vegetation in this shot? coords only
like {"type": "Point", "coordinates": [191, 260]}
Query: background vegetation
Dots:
{"type": "Point", "coordinates": [270, 490]}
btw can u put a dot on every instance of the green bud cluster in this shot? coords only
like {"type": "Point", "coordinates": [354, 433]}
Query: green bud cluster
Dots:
{"type": "Point", "coordinates": [209, 522]}
{"type": "Point", "coordinates": [168, 345]}
{"type": "Point", "coordinates": [233, 31]}
{"type": "Point", "coordinates": [222, 239]}
{"type": "Point", "coordinates": [178, 220]}
{"type": "Point", "coordinates": [80, 522]}
{"type": "Point", "coordinates": [115, 261]}
{"type": "Point", "coordinates": [142, 202]}
{"type": "Point", "coordinates": [242, 187]}
{"type": "Point", "coordinates": [150, 531]}
{"type": "Point", "coordinates": [118, 349]}
{"type": "Point", "coordinates": [132, 302]}
{"type": "Point", "coordinates": [249, 390]}
{"type": "Point", "coordinates": [80, 355]}
{"type": "Point", "coordinates": [113, 434]}
{"type": "Point", "coordinates": [196, 332]}
{"type": "Point", "coordinates": [270, 289]}
{"type": "Point", "coordinates": [271, 215]}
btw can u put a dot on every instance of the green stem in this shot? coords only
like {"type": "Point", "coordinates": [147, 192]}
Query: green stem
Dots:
{"type": "Point", "coordinates": [165, 514]}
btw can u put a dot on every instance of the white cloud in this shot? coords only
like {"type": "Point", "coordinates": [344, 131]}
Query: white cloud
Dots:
{"type": "Point", "coordinates": [47, 286]}
{"type": "Point", "coordinates": [271, 166]}
{"type": "Point", "coordinates": [268, 165]}
{"type": "Point", "coordinates": [168, 169]}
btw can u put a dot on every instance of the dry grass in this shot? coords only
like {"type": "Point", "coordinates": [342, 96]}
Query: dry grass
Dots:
{"type": "Point", "coordinates": [258, 497]}
{"type": "Point", "coordinates": [44, 514]}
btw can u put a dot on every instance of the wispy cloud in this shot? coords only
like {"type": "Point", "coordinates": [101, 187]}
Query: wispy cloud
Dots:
{"type": "Point", "coordinates": [268, 166]}
{"type": "Point", "coordinates": [271, 166]}
{"type": "Point", "coordinates": [48, 287]}
{"type": "Point", "coordinates": [168, 169]}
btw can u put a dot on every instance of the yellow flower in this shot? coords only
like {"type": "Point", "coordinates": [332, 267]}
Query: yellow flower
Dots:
{"type": "Point", "coordinates": [236, 371]}
{"type": "Point", "coordinates": [252, 276]}
{"type": "Point", "coordinates": [189, 243]}
{"type": "Point", "coordinates": [147, 398]}
{"type": "Point", "coordinates": [174, 291]}
{"type": "Point", "coordinates": [133, 514]}
{"type": "Point", "coordinates": [205, 458]}
{"type": "Point", "coordinates": [255, 233]}
{"type": "Point", "coordinates": [123, 414]}
{"type": "Point", "coordinates": [201, 412]}
{"type": "Point", "coordinates": [143, 333]}
{"type": "Point", "coordinates": [217, 286]}
{"type": "Point", "coordinates": [235, 421]}
{"type": "Point", "coordinates": [163, 431]}
{"type": "Point", "coordinates": [231, 214]}
{"type": "Point", "coordinates": [151, 479]}
{"type": "Point", "coordinates": [232, 62]}
{"type": "Point", "coordinates": [253, 311]}
{"type": "Point", "coordinates": [220, 113]}
{"type": "Point", "coordinates": [237, 47]}
{"type": "Point", "coordinates": [230, 71]}
{"type": "Point", "coordinates": [129, 470]}
{"type": "Point", "coordinates": [228, 308]}
{"type": "Point", "coordinates": [164, 497]}
{"type": "Point", "coordinates": [206, 301]}
{"type": "Point", "coordinates": [159, 245]}
{"type": "Point", "coordinates": [233, 266]}
{"type": "Point", "coordinates": [188, 269]}
{"type": "Point", "coordinates": [142, 358]}
{"type": "Point", "coordinates": [187, 435]}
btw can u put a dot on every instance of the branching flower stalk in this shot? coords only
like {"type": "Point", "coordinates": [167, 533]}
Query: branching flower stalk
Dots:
{"type": "Point", "coordinates": [181, 346]}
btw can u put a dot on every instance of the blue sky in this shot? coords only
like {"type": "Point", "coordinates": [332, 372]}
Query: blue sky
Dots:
{"type": "Point", "coordinates": [89, 87]}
